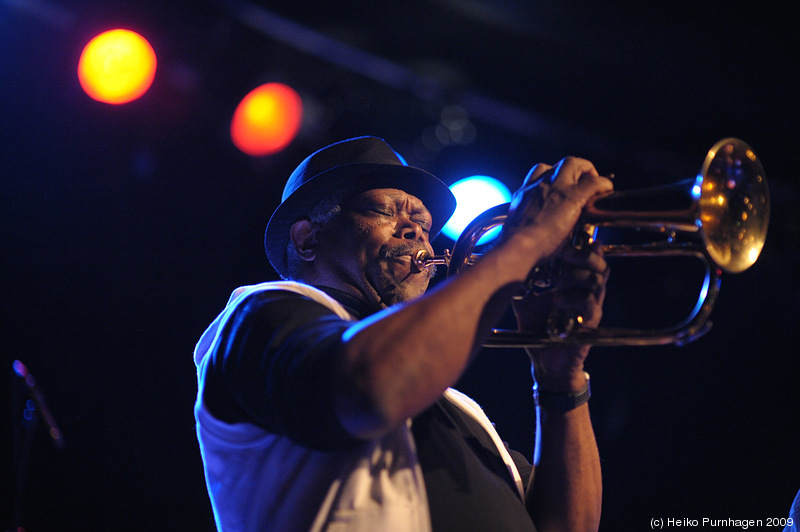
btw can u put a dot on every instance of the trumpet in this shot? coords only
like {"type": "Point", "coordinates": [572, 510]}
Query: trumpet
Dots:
{"type": "Point", "coordinates": [720, 217]}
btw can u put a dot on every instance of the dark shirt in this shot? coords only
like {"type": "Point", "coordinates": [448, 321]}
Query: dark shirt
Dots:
{"type": "Point", "coordinates": [272, 369]}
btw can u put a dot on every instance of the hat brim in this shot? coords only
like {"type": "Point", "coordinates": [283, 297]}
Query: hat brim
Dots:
{"type": "Point", "coordinates": [355, 177]}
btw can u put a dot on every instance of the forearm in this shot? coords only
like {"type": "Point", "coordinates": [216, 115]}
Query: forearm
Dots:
{"type": "Point", "coordinates": [399, 361]}
{"type": "Point", "coordinates": [565, 492]}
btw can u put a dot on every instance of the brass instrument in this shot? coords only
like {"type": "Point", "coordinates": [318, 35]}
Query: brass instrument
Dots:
{"type": "Point", "coordinates": [719, 217]}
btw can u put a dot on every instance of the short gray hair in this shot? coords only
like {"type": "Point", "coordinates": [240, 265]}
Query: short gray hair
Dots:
{"type": "Point", "coordinates": [323, 212]}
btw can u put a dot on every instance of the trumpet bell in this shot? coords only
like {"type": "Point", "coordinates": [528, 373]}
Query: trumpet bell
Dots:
{"type": "Point", "coordinates": [733, 203]}
{"type": "Point", "coordinates": [725, 208]}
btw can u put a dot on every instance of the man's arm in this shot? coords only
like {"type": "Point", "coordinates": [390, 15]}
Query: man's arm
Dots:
{"type": "Point", "coordinates": [565, 490]}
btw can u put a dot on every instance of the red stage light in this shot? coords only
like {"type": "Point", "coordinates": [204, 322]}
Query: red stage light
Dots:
{"type": "Point", "coordinates": [267, 119]}
{"type": "Point", "coordinates": [117, 66]}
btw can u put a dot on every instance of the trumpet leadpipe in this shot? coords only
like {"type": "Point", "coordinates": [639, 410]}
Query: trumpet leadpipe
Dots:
{"type": "Point", "coordinates": [422, 259]}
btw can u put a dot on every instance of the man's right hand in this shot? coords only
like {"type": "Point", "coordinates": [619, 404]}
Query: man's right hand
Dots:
{"type": "Point", "coordinates": [552, 198]}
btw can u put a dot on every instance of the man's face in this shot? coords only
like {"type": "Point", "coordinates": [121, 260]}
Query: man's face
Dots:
{"type": "Point", "coordinates": [369, 246]}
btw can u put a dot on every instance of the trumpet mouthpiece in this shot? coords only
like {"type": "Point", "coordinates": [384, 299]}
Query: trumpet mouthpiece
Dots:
{"type": "Point", "coordinates": [421, 260]}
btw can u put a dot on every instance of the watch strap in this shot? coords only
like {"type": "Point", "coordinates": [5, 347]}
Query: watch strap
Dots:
{"type": "Point", "coordinates": [562, 401]}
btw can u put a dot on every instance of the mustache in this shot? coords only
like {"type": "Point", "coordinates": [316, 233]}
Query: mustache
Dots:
{"type": "Point", "coordinates": [405, 250]}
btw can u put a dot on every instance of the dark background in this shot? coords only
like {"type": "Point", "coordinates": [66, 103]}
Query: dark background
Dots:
{"type": "Point", "coordinates": [124, 228]}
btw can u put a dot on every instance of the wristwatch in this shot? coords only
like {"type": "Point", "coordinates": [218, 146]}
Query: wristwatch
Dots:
{"type": "Point", "coordinates": [562, 401]}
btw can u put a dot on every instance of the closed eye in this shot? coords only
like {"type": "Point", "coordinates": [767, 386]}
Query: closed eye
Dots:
{"type": "Point", "coordinates": [385, 212]}
{"type": "Point", "coordinates": [424, 225]}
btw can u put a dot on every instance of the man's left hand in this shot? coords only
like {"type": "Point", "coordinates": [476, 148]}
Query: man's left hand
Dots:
{"type": "Point", "coordinates": [578, 291]}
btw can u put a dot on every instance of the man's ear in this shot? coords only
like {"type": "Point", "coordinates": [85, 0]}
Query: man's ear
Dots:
{"type": "Point", "coordinates": [304, 238]}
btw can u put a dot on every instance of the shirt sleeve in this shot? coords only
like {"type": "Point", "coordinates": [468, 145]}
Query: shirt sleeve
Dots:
{"type": "Point", "coordinates": [273, 368]}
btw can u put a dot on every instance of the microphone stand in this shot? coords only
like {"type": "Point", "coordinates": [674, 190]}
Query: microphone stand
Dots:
{"type": "Point", "coordinates": [24, 428]}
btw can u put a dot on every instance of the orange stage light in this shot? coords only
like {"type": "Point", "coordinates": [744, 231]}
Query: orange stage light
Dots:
{"type": "Point", "coordinates": [117, 66]}
{"type": "Point", "coordinates": [267, 119]}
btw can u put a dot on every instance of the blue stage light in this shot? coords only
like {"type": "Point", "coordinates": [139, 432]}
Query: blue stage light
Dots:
{"type": "Point", "coordinates": [474, 195]}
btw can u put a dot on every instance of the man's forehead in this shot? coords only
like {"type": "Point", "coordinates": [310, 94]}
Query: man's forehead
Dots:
{"type": "Point", "coordinates": [395, 195]}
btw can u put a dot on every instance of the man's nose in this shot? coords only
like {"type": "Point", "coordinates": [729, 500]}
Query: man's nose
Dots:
{"type": "Point", "coordinates": [410, 230]}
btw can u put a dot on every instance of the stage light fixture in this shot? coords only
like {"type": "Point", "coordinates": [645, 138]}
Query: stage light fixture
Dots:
{"type": "Point", "coordinates": [474, 195]}
{"type": "Point", "coordinates": [267, 119]}
{"type": "Point", "coordinates": [117, 66]}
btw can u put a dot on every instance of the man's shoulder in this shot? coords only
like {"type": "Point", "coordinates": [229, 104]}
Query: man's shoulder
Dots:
{"type": "Point", "coordinates": [272, 290]}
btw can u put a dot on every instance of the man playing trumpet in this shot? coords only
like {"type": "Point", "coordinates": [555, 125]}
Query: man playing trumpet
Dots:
{"type": "Point", "coordinates": [324, 399]}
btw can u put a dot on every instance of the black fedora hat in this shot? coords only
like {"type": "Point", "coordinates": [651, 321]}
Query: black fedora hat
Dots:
{"type": "Point", "coordinates": [357, 165]}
